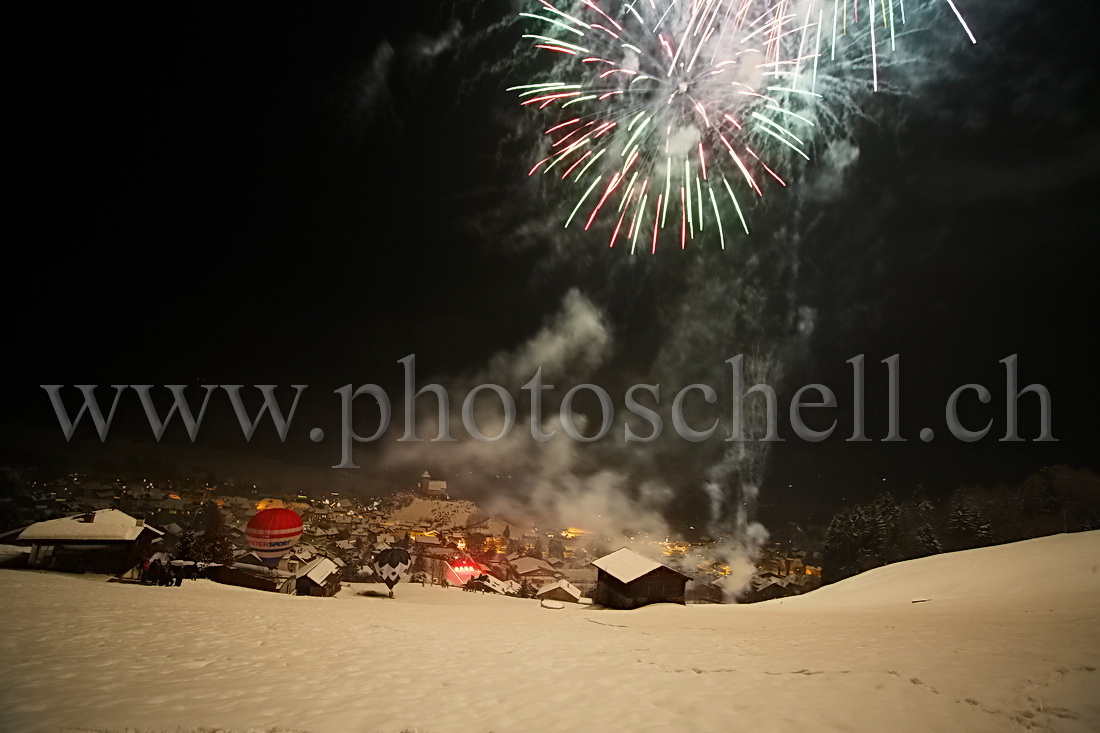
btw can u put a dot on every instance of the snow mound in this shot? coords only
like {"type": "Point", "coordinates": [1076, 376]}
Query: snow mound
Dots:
{"type": "Point", "coordinates": [1062, 570]}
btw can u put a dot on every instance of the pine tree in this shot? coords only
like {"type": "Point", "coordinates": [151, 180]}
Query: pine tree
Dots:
{"type": "Point", "coordinates": [213, 545]}
{"type": "Point", "coordinates": [966, 525]}
{"type": "Point", "coordinates": [187, 545]}
{"type": "Point", "coordinates": [839, 549]}
{"type": "Point", "coordinates": [922, 539]}
{"type": "Point", "coordinates": [885, 516]}
{"type": "Point", "coordinates": [925, 541]}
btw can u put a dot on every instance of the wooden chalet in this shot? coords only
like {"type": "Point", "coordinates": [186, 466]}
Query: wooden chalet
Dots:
{"type": "Point", "coordinates": [625, 579]}
{"type": "Point", "coordinates": [105, 541]}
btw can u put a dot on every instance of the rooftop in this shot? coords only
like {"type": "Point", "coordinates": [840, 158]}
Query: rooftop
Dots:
{"type": "Point", "coordinates": [106, 524]}
{"type": "Point", "coordinates": [627, 566]}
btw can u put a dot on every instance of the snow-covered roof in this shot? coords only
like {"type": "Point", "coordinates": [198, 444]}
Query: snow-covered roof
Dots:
{"type": "Point", "coordinates": [500, 586]}
{"type": "Point", "coordinates": [626, 565]}
{"type": "Point", "coordinates": [527, 565]}
{"type": "Point", "coordinates": [321, 571]}
{"type": "Point", "coordinates": [107, 524]}
{"type": "Point", "coordinates": [565, 585]}
{"type": "Point", "coordinates": [260, 570]}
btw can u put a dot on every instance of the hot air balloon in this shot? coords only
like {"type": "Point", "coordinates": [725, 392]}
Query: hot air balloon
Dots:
{"type": "Point", "coordinates": [391, 565]}
{"type": "Point", "coordinates": [272, 532]}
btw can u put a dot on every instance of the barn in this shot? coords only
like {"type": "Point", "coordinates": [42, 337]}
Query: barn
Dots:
{"type": "Point", "coordinates": [625, 579]}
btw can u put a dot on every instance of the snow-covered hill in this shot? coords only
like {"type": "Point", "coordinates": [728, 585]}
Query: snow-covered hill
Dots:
{"type": "Point", "coordinates": [438, 512]}
{"type": "Point", "coordinates": [1008, 639]}
{"type": "Point", "coordinates": [1062, 571]}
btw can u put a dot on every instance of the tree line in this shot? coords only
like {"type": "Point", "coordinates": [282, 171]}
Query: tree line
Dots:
{"type": "Point", "coordinates": [206, 538]}
{"type": "Point", "coordinates": [1052, 500]}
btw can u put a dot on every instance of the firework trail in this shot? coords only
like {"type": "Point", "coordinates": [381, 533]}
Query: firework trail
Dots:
{"type": "Point", "coordinates": [673, 116]}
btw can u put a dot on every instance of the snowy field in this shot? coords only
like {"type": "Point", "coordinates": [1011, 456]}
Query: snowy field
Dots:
{"type": "Point", "coordinates": [1004, 638]}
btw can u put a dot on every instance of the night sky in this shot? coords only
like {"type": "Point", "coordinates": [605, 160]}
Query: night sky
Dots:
{"type": "Point", "coordinates": [249, 195]}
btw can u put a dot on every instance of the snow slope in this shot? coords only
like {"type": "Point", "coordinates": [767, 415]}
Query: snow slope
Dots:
{"type": "Point", "coordinates": [1009, 639]}
{"type": "Point", "coordinates": [1062, 571]}
{"type": "Point", "coordinates": [438, 512]}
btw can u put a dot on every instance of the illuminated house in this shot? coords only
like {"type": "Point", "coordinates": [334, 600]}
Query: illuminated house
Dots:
{"type": "Point", "coordinates": [626, 579]}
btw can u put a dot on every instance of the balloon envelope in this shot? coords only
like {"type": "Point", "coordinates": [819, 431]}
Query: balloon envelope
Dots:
{"type": "Point", "coordinates": [391, 565]}
{"type": "Point", "coordinates": [272, 532]}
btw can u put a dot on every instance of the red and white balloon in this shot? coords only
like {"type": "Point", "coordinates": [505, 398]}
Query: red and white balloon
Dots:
{"type": "Point", "coordinates": [271, 534]}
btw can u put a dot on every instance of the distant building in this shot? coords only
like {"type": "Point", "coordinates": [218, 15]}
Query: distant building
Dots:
{"type": "Point", "coordinates": [534, 571]}
{"type": "Point", "coordinates": [432, 488]}
{"type": "Point", "coordinates": [104, 541]}
{"type": "Point", "coordinates": [626, 579]}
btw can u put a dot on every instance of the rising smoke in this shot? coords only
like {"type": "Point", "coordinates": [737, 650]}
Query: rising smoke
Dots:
{"type": "Point", "coordinates": [712, 305]}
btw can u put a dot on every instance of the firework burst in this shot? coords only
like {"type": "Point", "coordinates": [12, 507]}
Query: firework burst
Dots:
{"type": "Point", "coordinates": [672, 116]}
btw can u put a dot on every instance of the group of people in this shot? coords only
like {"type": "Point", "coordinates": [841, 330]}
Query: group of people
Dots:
{"type": "Point", "coordinates": [155, 572]}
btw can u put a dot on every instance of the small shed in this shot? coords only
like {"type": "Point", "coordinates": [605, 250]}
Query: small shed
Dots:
{"type": "Point", "coordinates": [625, 579]}
{"type": "Point", "coordinates": [559, 590]}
